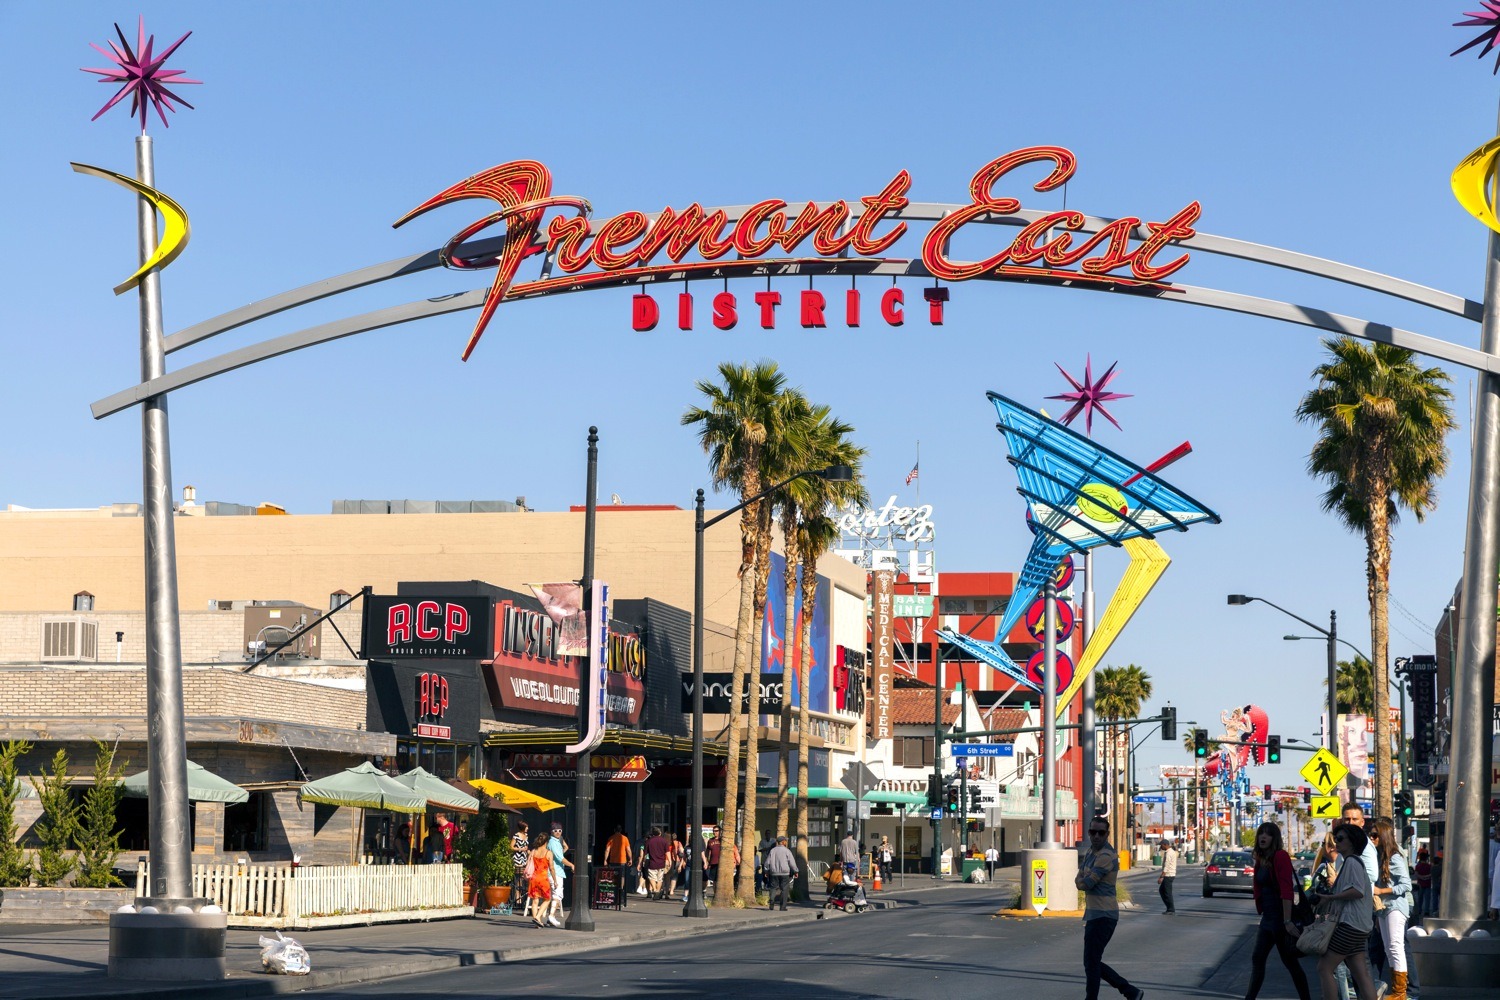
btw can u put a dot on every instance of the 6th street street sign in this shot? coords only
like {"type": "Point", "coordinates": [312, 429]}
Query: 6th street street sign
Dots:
{"type": "Point", "coordinates": [1324, 771]}
{"type": "Point", "coordinates": [984, 749]}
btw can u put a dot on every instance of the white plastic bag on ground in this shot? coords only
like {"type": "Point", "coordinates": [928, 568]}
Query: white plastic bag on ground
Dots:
{"type": "Point", "coordinates": [284, 956]}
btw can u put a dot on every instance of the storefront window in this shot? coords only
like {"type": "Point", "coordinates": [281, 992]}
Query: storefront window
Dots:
{"type": "Point", "coordinates": [245, 823]}
{"type": "Point", "coordinates": [446, 760]}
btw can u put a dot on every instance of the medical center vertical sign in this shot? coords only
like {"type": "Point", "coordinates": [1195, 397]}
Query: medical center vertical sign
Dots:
{"type": "Point", "coordinates": [885, 639]}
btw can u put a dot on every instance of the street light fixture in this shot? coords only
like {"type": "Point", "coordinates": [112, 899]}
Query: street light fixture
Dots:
{"type": "Point", "coordinates": [833, 474]}
{"type": "Point", "coordinates": [1331, 633]}
{"type": "Point", "coordinates": [1400, 690]}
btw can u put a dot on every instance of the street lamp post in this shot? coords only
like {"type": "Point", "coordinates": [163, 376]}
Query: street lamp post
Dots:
{"type": "Point", "coordinates": [1400, 690]}
{"type": "Point", "coordinates": [1331, 633]}
{"type": "Point", "coordinates": [579, 917]}
{"type": "Point", "coordinates": [834, 474]}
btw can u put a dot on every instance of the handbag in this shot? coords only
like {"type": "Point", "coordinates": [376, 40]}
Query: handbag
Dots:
{"type": "Point", "coordinates": [530, 869]}
{"type": "Point", "coordinates": [1315, 938]}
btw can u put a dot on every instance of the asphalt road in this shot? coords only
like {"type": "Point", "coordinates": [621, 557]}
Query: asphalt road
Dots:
{"type": "Point", "coordinates": [942, 943]}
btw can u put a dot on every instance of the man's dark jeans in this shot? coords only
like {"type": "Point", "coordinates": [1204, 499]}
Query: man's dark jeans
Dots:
{"type": "Point", "coordinates": [780, 886]}
{"type": "Point", "coordinates": [1096, 935]}
{"type": "Point", "coordinates": [1166, 892]}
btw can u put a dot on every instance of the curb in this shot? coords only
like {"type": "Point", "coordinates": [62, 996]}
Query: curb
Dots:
{"type": "Point", "coordinates": [253, 984]}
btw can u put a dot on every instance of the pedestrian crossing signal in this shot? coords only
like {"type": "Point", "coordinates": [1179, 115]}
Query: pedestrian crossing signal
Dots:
{"type": "Point", "coordinates": [1200, 743]}
{"type": "Point", "coordinates": [1273, 749]}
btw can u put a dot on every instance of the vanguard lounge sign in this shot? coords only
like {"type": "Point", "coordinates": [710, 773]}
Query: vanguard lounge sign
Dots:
{"type": "Point", "coordinates": [693, 242]}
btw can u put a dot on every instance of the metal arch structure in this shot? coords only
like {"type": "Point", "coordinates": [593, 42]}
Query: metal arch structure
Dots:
{"type": "Point", "coordinates": [546, 285]}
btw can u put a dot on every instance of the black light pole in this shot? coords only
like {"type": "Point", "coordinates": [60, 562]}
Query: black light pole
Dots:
{"type": "Point", "coordinates": [834, 474]}
{"type": "Point", "coordinates": [579, 917]}
{"type": "Point", "coordinates": [1331, 633]}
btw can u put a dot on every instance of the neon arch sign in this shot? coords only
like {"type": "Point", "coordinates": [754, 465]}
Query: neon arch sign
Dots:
{"type": "Point", "coordinates": [629, 245]}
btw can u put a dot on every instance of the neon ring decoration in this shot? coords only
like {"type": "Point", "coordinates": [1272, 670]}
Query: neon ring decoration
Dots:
{"type": "Point", "coordinates": [1035, 666]}
{"type": "Point", "coordinates": [1036, 616]}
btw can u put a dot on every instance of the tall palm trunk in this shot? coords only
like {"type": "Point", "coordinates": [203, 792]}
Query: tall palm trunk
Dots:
{"type": "Point", "coordinates": [1378, 576]}
{"type": "Point", "coordinates": [742, 636]}
{"type": "Point", "coordinates": [748, 832]}
{"type": "Point", "coordinates": [804, 671]}
{"type": "Point", "coordinates": [788, 640]}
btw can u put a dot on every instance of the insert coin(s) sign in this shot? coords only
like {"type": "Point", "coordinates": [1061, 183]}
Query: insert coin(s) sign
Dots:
{"type": "Point", "coordinates": [1324, 771]}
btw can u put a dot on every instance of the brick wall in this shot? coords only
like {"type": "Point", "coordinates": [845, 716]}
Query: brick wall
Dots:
{"type": "Point", "coordinates": [224, 692]}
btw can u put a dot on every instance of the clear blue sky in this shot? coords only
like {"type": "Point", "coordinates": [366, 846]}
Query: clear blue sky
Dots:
{"type": "Point", "coordinates": [1329, 129]}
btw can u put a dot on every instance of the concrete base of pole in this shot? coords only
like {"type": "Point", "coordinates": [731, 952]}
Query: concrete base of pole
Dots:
{"type": "Point", "coordinates": [1463, 960]}
{"type": "Point", "coordinates": [1062, 869]}
{"type": "Point", "coordinates": [168, 946]}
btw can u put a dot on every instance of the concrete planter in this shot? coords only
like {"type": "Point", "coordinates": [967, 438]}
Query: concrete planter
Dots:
{"type": "Point", "coordinates": [38, 904]}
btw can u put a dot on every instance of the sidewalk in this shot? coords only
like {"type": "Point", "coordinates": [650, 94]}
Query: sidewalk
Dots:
{"type": "Point", "coordinates": [71, 960]}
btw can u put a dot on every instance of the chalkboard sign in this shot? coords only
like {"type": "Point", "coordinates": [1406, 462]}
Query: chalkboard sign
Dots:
{"type": "Point", "coordinates": [609, 887]}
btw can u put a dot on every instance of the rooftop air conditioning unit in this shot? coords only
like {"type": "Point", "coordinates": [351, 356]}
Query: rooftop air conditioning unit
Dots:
{"type": "Point", "coordinates": [70, 639]}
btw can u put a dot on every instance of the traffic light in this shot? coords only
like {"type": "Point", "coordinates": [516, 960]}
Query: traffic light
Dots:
{"type": "Point", "coordinates": [1306, 796]}
{"type": "Point", "coordinates": [1200, 743]}
{"type": "Point", "coordinates": [1169, 723]}
{"type": "Point", "coordinates": [975, 806]}
{"type": "Point", "coordinates": [1494, 811]}
{"type": "Point", "coordinates": [1273, 749]}
{"type": "Point", "coordinates": [1440, 797]}
{"type": "Point", "coordinates": [950, 799]}
{"type": "Point", "coordinates": [1266, 792]}
{"type": "Point", "coordinates": [1405, 804]}
{"type": "Point", "coordinates": [933, 796]}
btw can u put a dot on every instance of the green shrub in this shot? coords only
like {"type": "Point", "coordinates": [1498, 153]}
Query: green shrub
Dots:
{"type": "Point", "coordinates": [98, 838]}
{"type": "Point", "coordinates": [14, 868]}
{"type": "Point", "coordinates": [58, 824]}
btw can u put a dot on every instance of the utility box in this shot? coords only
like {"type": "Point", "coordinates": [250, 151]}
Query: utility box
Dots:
{"type": "Point", "coordinates": [274, 622]}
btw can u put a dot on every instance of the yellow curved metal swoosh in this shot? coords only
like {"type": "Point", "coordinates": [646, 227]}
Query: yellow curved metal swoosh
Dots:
{"type": "Point", "coordinates": [1472, 180]}
{"type": "Point", "coordinates": [174, 240]}
{"type": "Point", "coordinates": [1148, 561]}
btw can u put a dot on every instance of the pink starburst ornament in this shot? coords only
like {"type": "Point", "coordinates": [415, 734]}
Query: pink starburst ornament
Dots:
{"type": "Point", "coordinates": [141, 75]}
{"type": "Point", "coordinates": [1088, 395]}
{"type": "Point", "coordinates": [1489, 20]}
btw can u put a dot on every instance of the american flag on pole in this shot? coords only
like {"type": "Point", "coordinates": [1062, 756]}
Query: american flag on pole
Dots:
{"type": "Point", "coordinates": [912, 475]}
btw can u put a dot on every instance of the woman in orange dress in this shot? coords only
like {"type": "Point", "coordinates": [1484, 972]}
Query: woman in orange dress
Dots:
{"type": "Point", "coordinates": [540, 886]}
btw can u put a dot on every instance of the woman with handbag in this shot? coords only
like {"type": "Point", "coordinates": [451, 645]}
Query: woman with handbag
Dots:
{"type": "Point", "coordinates": [1393, 897]}
{"type": "Point", "coordinates": [539, 875]}
{"type": "Point", "coordinates": [1351, 909]}
{"type": "Point", "coordinates": [1274, 896]}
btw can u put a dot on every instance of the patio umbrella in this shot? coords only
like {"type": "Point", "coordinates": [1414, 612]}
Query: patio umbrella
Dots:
{"type": "Point", "coordinates": [24, 790]}
{"type": "Point", "coordinates": [437, 791]}
{"type": "Point", "coordinates": [202, 786]}
{"type": "Point", "coordinates": [513, 796]}
{"type": "Point", "coordinates": [365, 786]}
{"type": "Point", "coordinates": [486, 800]}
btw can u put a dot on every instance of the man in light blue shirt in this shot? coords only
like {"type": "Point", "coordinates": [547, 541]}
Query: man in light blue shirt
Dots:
{"type": "Point", "coordinates": [560, 868]}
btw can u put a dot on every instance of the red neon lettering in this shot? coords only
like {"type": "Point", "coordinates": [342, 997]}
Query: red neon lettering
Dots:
{"type": "Point", "coordinates": [427, 632]}
{"type": "Point", "coordinates": [443, 706]}
{"type": "Point", "coordinates": [620, 230]}
{"type": "Point", "coordinates": [397, 624]}
{"type": "Point", "coordinates": [458, 622]}
{"type": "Point", "coordinates": [892, 199]}
{"type": "Point", "coordinates": [744, 233]}
{"type": "Point", "coordinates": [890, 306]}
{"type": "Point", "coordinates": [768, 301]}
{"type": "Point", "coordinates": [424, 699]}
{"type": "Point", "coordinates": [1178, 227]}
{"type": "Point", "coordinates": [828, 240]}
{"type": "Point", "coordinates": [725, 314]}
{"type": "Point", "coordinates": [935, 298]}
{"type": "Point", "coordinates": [643, 313]}
{"type": "Point", "coordinates": [812, 309]}
{"type": "Point", "coordinates": [684, 311]}
{"type": "Point", "coordinates": [851, 307]}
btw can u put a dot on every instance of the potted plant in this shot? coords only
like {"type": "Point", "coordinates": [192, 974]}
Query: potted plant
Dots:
{"type": "Point", "coordinates": [496, 871]}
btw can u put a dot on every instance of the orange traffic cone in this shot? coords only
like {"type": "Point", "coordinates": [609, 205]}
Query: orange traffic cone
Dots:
{"type": "Point", "coordinates": [877, 880]}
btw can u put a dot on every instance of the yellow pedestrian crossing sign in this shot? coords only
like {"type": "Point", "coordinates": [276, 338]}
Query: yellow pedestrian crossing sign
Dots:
{"type": "Point", "coordinates": [1324, 807]}
{"type": "Point", "coordinates": [1324, 772]}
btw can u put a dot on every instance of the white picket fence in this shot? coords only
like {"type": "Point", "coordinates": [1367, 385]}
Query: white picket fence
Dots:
{"type": "Point", "coordinates": [327, 896]}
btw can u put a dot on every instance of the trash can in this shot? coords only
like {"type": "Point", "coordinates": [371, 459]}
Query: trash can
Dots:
{"type": "Point", "coordinates": [970, 866]}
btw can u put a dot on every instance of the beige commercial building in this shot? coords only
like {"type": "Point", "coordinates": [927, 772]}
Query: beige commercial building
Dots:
{"type": "Point", "coordinates": [72, 638]}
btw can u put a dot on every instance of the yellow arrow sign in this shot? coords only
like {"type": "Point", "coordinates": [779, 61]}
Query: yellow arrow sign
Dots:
{"type": "Point", "coordinates": [1324, 807]}
{"type": "Point", "coordinates": [1324, 771]}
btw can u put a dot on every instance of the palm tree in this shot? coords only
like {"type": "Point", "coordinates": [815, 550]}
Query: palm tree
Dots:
{"type": "Point", "coordinates": [816, 533]}
{"type": "Point", "coordinates": [1118, 694]}
{"type": "Point", "coordinates": [1381, 423]}
{"type": "Point", "coordinates": [741, 415]}
{"type": "Point", "coordinates": [1353, 681]}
